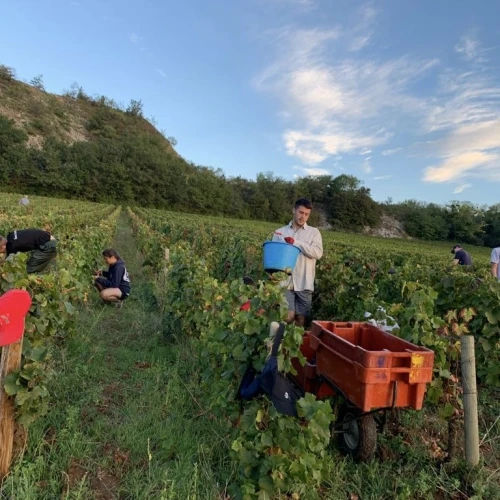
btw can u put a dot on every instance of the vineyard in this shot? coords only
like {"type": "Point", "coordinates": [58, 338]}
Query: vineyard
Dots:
{"type": "Point", "coordinates": [82, 229]}
{"type": "Point", "coordinates": [172, 426]}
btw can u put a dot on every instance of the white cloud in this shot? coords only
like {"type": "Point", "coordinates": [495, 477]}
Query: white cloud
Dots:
{"type": "Point", "coordinates": [381, 177]}
{"type": "Point", "coordinates": [332, 103]}
{"type": "Point", "coordinates": [335, 105]}
{"type": "Point", "coordinates": [367, 167]}
{"type": "Point", "coordinates": [461, 188]}
{"type": "Point", "coordinates": [457, 167]}
{"type": "Point", "coordinates": [313, 148]}
{"type": "Point", "coordinates": [162, 73]}
{"type": "Point", "coordinates": [467, 110]}
{"type": "Point", "coordinates": [313, 172]}
{"type": "Point", "coordinates": [388, 152]}
{"type": "Point", "coordinates": [472, 149]}
{"type": "Point", "coordinates": [474, 137]}
{"type": "Point", "coordinates": [463, 98]}
{"type": "Point", "coordinates": [359, 42]}
{"type": "Point", "coordinates": [134, 37]}
{"type": "Point", "coordinates": [362, 30]}
{"type": "Point", "coordinates": [469, 47]}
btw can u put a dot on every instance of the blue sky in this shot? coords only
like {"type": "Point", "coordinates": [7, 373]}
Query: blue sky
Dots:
{"type": "Point", "coordinates": [404, 95]}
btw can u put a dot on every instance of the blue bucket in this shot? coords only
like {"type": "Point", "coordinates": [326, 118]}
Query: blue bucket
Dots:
{"type": "Point", "coordinates": [279, 256]}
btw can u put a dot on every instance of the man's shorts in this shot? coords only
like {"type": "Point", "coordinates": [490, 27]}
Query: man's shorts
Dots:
{"type": "Point", "coordinates": [300, 302]}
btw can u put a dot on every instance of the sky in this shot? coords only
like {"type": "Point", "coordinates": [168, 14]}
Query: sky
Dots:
{"type": "Point", "coordinates": [402, 94]}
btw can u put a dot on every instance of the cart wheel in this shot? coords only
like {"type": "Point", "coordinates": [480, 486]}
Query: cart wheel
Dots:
{"type": "Point", "coordinates": [358, 436]}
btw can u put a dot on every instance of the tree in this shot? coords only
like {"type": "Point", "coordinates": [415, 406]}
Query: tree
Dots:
{"type": "Point", "coordinates": [7, 73]}
{"type": "Point", "coordinates": [37, 82]}
{"type": "Point", "coordinates": [466, 222]}
{"type": "Point", "coordinates": [353, 210]}
{"type": "Point", "coordinates": [492, 226]}
{"type": "Point", "coordinates": [135, 108]}
{"type": "Point", "coordinates": [74, 90]}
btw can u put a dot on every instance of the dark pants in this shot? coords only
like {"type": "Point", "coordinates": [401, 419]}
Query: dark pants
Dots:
{"type": "Point", "coordinates": [40, 258]}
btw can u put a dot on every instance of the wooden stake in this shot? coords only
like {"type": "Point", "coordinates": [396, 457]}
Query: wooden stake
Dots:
{"type": "Point", "coordinates": [470, 400]}
{"type": "Point", "coordinates": [10, 361]}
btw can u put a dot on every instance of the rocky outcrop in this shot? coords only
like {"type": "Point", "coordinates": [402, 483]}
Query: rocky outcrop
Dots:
{"type": "Point", "coordinates": [388, 228]}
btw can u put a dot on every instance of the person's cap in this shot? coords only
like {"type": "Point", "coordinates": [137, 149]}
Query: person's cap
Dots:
{"type": "Point", "coordinates": [454, 248]}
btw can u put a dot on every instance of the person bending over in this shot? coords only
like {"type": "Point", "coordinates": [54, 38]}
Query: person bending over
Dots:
{"type": "Point", "coordinates": [113, 284]}
{"type": "Point", "coordinates": [41, 244]}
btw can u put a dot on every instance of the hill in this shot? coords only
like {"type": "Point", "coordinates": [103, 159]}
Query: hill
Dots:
{"type": "Point", "coordinates": [73, 117]}
{"type": "Point", "coordinates": [77, 146]}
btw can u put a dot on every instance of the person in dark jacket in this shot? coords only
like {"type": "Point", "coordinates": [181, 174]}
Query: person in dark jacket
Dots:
{"type": "Point", "coordinates": [41, 244]}
{"type": "Point", "coordinates": [462, 257]}
{"type": "Point", "coordinates": [113, 284]}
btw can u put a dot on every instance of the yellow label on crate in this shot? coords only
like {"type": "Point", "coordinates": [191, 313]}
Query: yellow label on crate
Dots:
{"type": "Point", "coordinates": [417, 361]}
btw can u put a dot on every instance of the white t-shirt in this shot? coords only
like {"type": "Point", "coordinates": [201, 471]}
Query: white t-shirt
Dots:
{"type": "Point", "coordinates": [495, 259]}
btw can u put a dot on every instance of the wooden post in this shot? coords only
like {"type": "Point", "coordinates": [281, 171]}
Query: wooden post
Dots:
{"type": "Point", "coordinates": [470, 400]}
{"type": "Point", "coordinates": [10, 361]}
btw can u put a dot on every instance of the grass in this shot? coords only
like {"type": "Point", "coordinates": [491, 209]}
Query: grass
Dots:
{"type": "Point", "coordinates": [128, 421]}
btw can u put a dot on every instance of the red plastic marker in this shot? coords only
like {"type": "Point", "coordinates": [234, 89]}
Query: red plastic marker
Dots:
{"type": "Point", "coordinates": [14, 306]}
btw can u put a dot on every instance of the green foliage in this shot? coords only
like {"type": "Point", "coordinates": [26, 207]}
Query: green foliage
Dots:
{"type": "Point", "coordinates": [280, 454]}
{"type": "Point", "coordinates": [274, 453]}
{"type": "Point", "coordinates": [135, 108]}
{"type": "Point", "coordinates": [353, 209]}
{"type": "Point", "coordinates": [6, 73]}
{"type": "Point", "coordinates": [460, 222]}
{"type": "Point", "coordinates": [54, 293]}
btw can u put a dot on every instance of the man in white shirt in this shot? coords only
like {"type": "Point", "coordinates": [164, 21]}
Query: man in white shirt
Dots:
{"type": "Point", "coordinates": [24, 201]}
{"type": "Point", "coordinates": [300, 285]}
{"type": "Point", "coordinates": [494, 261]}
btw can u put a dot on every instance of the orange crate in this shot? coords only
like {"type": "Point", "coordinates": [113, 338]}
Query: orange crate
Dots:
{"type": "Point", "coordinates": [373, 368]}
{"type": "Point", "coordinates": [306, 375]}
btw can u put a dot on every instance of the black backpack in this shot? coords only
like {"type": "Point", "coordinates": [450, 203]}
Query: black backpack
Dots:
{"type": "Point", "coordinates": [281, 391]}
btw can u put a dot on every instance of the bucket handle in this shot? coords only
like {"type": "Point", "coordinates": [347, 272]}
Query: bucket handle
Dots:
{"type": "Point", "coordinates": [270, 237]}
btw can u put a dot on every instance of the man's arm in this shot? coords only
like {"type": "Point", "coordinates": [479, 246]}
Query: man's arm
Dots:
{"type": "Point", "coordinates": [455, 261]}
{"type": "Point", "coordinates": [312, 250]}
{"type": "Point", "coordinates": [494, 260]}
{"type": "Point", "coordinates": [494, 269]}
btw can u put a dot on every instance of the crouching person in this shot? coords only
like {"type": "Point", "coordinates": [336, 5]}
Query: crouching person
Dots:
{"type": "Point", "coordinates": [113, 284]}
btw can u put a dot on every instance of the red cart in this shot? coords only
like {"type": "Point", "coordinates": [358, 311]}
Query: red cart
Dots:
{"type": "Point", "coordinates": [372, 370]}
